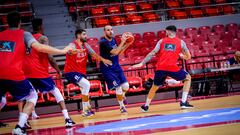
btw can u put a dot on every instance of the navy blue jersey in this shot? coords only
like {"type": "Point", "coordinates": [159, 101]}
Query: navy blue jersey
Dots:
{"type": "Point", "coordinates": [105, 47]}
{"type": "Point", "coordinates": [232, 61]}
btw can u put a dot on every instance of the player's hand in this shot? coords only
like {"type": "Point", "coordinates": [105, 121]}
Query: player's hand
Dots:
{"type": "Point", "coordinates": [181, 56]}
{"type": "Point", "coordinates": [67, 49]}
{"type": "Point", "coordinates": [124, 38]}
{"type": "Point", "coordinates": [137, 65]}
{"type": "Point", "coordinates": [107, 62]}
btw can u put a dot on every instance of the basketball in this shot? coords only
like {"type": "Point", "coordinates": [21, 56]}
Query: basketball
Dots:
{"type": "Point", "coordinates": [129, 36]}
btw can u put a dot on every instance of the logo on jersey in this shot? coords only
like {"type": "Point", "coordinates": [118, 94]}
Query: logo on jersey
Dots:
{"type": "Point", "coordinates": [81, 55]}
{"type": "Point", "coordinates": [7, 46]}
{"type": "Point", "coordinates": [170, 47]}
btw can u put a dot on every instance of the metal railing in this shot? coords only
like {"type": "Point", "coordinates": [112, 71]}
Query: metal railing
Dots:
{"type": "Point", "coordinates": [164, 11]}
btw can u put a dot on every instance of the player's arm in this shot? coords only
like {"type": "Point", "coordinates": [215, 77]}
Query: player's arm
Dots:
{"type": "Point", "coordinates": [125, 47]}
{"type": "Point", "coordinates": [30, 41]}
{"type": "Point", "coordinates": [185, 54]}
{"type": "Point", "coordinates": [96, 56]}
{"type": "Point", "coordinates": [149, 56]}
{"type": "Point", "coordinates": [120, 48]}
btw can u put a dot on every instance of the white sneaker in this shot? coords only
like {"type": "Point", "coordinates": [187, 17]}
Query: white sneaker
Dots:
{"type": "Point", "coordinates": [19, 130]}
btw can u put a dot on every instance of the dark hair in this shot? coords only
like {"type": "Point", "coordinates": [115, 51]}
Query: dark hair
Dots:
{"type": "Point", "coordinates": [171, 28]}
{"type": "Point", "coordinates": [79, 31]}
{"type": "Point", "coordinates": [13, 19]}
{"type": "Point", "coordinates": [36, 23]}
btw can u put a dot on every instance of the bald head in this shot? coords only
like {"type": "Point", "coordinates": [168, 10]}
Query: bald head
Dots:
{"type": "Point", "coordinates": [108, 31]}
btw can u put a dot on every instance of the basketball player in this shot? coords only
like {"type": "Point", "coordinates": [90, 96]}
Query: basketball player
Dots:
{"type": "Point", "coordinates": [14, 44]}
{"type": "Point", "coordinates": [36, 70]}
{"type": "Point", "coordinates": [114, 75]}
{"type": "Point", "coordinates": [168, 51]}
{"type": "Point", "coordinates": [75, 67]}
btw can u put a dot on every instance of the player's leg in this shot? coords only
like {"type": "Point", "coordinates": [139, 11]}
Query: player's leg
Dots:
{"type": "Point", "coordinates": [60, 100]}
{"type": "Point", "coordinates": [85, 88]}
{"type": "Point", "coordinates": [183, 75]}
{"type": "Point", "coordinates": [124, 85]}
{"type": "Point", "coordinates": [23, 90]}
{"type": "Point", "coordinates": [2, 104]}
{"type": "Point", "coordinates": [159, 79]}
{"type": "Point", "coordinates": [20, 109]}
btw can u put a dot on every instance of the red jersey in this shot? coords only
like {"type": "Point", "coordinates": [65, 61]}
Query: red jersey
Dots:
{"type": "Point", "coordinates": [36, 63]}
{"type": "Point", "coordinates": [168, 54]}
{"type": "Point", "coordinates": [12, 54]}
{"type": "Point", "coordinates": [77, 62]}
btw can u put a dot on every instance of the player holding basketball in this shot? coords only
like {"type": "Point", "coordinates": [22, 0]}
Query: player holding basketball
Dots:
{"type": "Point", "coordinates": [14, 44]}
{"type": "Point", "coordinates": [114, 75]}
{"type": "Point", "coordinates": [36, 70]}
{"type": "Point", "coordinates": [168, 51]}
{"type": "Point", "coordinates": [76, 64]}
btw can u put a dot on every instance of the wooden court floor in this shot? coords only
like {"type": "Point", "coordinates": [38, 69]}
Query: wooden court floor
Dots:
{"type": "Point", "coordinates": [55, 125]}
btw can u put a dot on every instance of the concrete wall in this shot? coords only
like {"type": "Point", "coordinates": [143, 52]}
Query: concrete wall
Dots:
{"type": "Point", "coordinates": [156, 26]}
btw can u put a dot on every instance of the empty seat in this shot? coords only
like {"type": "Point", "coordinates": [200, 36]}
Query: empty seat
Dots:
{"type": "Point", "coordinates": [204, 2]}
{"type": "Point", "coordinates": [134, 19]}
{"type": "Point", "coordinates": [221, 44]}
{"type": "Point", "coordinates": [236, 43]}
{"type": "Point", "coordinates": [180, 15]}
{"type": "Point", "coordinates": [135, 84]}
{"type": "Point", "coordinates": [196, 13]}
{"type": "Point", "coordinates": [161, 34]}
{"type": "Point", "coordinates": [172, 4]}
{"type": "Point", "coordinates": [232, 27]}
{"type": "Point", "coordinates": [192, 31]}
{"type": "Point", "coordinates": [228, 9]}
{"type": "Point", "coordinates": [97, 11]}
{"type": "Point", "coordinates": [117, 20]}
{"type": "Point", "coordinates": [187, 39]}
{"type": "Point", "coordinates": [214, 37]}
{"type": "Point", "coordinates": [149, 35]}
{"type": "Point", "coordinates": [188, 3]}
{"type": "Point", "coordinates": [95, 88]}
{"type": "Point", "coordinates": [145, 6]}
{"type": "Point", "coordinates": [114, 9]}
{"type": "Point", "coordinates": [211, 11]}
{"type": "Point", "coordinates": [218, 28]}
{"type": "Point", "coordinates": [227, 35]}
{"type": "Point", "coordinates": [198, 39]}
{"type": "Point", "coordinates": [129, 8]}
{"type": "Point", "coordinates": [73, 91]}
{"type": "Point", "coordinates": [101, 22]}
{"type": "Point", "coordinates": [180, 33]}
{"type": "Point", "coordinates": [150, 17]}
{"type": "Point", "coordinates": [205, 30]}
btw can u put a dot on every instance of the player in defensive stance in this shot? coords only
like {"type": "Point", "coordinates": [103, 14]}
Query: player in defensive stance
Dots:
{"type": "Point", "coordinates": [36, 70]}
{"type": "Point", "coordinates": [168, 51]}
{"type": "Point", "coordinates": [14, 43]}
{"type": "Point", "coordinates": [76, 65]}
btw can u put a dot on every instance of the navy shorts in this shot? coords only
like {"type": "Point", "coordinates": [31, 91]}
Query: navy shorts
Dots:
{"type": "Point", "coordinates": [42, 84]}
{"type": "Point", "coordinates": [74, 77]}
{"type": "Point", "coordinates": [161, 75]}
{"type": "Point", "coordinates": [114, 78]}
{"type": "Point", "coordinates": [18, 89]}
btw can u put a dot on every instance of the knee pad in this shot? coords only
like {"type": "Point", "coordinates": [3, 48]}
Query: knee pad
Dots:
{"type": "Point", "coordinates": [119, 91]}
{"type": "Point", "coordinates": [85, 86]}
{"type": "Point", "coordinates": [3, 102]}
{"type": "Point", "coordinates": [125, 86]}
{"type": "Point", "coordinates": [57, 94]}
{"type": "Point", "coordinates": [32, 97]}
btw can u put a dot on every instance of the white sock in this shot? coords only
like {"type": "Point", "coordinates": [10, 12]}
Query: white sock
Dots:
{"type": "Point", "coordinates": [22, 119]}
{"type": "Point", "coordinates": [184, 96]}
{"type": "Point", "coordinates": [121, 103]}
{"type": "Point", "coordinates": [148, 101]}
{"type": "Point", "coordinates": [85, 106]}
{"type": "Point", "coordinates": [65, 114]}
{"type": "Point", "coordinates": [34, 113]}
{"type": "Point", "coordinates": [89, 105]}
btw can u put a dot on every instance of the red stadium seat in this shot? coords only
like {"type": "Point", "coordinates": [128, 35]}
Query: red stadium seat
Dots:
{"type": "Point", "coordinates": [221, 44]}
{"type": "Point", "coordinates": [228, 9]}
{"type": "Point", "coordinates": [73, 92]}
{"type": "Point", "coordinates": [196, 13]}
{"type": "Point", "coordinates": [219, 29]}
{"type": "Point", "coordinates": [180, 15]}
{"type": "Point", "coordinates": [149, 35]}
{"type": "Point", "coordinates": [150, 17]}
{"type": "Point", "coordinates": [180, 33]}
{"type": "Point", "coordinates": [191, 32]}
{"type": "Point", "coordinates": [187, 39]}
{"type": "Point", "coordinates": [212, 11]}
{"type": "Point", "coordinates": [187, 3]}
{"type": "Point", "coordinates": [97, 11]}
{"type": "Point", "coordinates": [220, 1]}
{"type": "Point", "coordinates": [232, 27]}
{"type": "Point", "coordinates": [10, 101]}
{"type": "Point", "coordinates": [110, 92]}
{"type": "Point", "coordinates": [205, 30]}
{"type": "Point", "coordinates": [92, 41]}
{"type": "Point", "coordinates": [129, 8]}
{"type": "Point", "coordinates": [95, 88]}
{"type": "Point", "coordinates": [204, 2]}
{"type": "Point", "coordinates": [145, 6]}
{"type": "Point", "coordinates": [132, 52]}
{"type": "Point", "coordinates": [134, 19]}
{"type": "Point", "coordinates": [137, 36]}
{"type": "Point", "coordinates": [236, 43]}
{"type": "Point", "coordinates": [101, 22]}
{"type": "Point", "coordinates": [216, 51]}
{"type": "Point", "coordinates": [141, 44]}
{"type": "Point", "coordinates": [214, 37]}
{"type": "Point", "coordinates": [208, 46]}
{"type": "Point", "coordinates": [161, 34]}
{"type": "Point", "coordinates": [172, 4]}
{"type": "Point", "coordinates": [198, 39]}
{"type": "Point", "coordinates": [124, 61]}
{"type": "Point", "coordinates": [135, 84]}
{"type": "Point", "coordinates": [227, 35]}
{"type": "Point", "coordinates": [118, 20]}
{"type": "Point", "coordinates": [229, 49]}
{"type": "Point", "coordinates": [114, 9]}
{"type": "Point", "coordinates": [201, 53]}
{"type": "Point", "coordinates": [153, 42]}
{"type": "Point", "coordinates": [145, 51]}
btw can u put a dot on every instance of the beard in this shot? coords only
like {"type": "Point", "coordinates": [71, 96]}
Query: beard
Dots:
{"type": "Point", "coordinates": [83, 40]}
